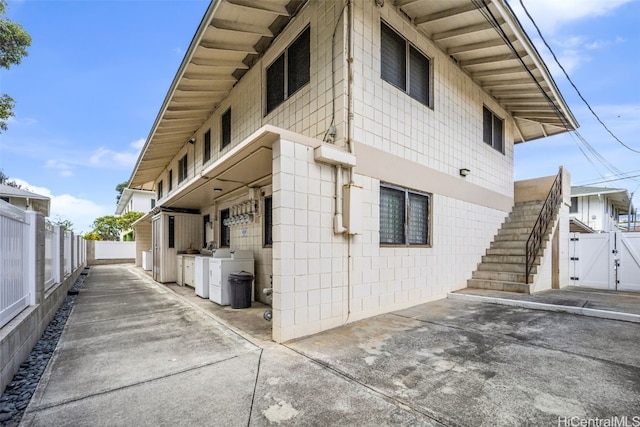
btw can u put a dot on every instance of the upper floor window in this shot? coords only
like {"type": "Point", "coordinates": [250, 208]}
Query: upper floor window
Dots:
{"type": "Point", "coordinates": [290, 71]}
{"type": "Point", "coordinates": [404, 217]}
{"type": "Point", "coordinates": [182, 168]}
{"type": "Point", "coordinates": [170, 180]}
{"type": "Point", "coordinates": [492, 129]}
{"type": "Point", "coordinates": [160, 190]}
{"type": "Point", "coordinates": [404, 66]}
{"type": "Point", "coordinates": [574, 205]}
{"type": "Point", "coordinates": [226, 129]}
{"type": "Point", "coordinates": [206, 147]}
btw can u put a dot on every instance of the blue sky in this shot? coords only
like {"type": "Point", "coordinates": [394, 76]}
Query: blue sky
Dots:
{"type": "Point", "coordinates": [98, 71]}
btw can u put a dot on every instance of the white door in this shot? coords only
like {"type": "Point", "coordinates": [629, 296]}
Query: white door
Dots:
{"type": "Point", "coordinates": [592, 263]}
{"type": "Point", "coordinates": [628, 247]}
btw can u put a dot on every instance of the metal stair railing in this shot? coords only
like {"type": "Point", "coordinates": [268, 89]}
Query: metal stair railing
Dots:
{"type": "Point", "coordinates": [547, 213]}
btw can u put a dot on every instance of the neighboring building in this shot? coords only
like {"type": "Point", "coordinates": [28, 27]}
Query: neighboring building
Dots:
{"type": "Point", "coordinates": [598, 209]}
{"type": "Point", "coordinates": [25, 199]}
{"type": "Point", "coordinates": [134, 201]}
{"type": "Point", "coordinates": [364, 153]}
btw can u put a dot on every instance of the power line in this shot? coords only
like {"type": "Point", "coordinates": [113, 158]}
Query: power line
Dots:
{"type": "Point", "coordinates": [571, 81]}
{"type": "Point", "coordinates": [611, 180]}
{"type": "Point", "coordinates": [621, 176]}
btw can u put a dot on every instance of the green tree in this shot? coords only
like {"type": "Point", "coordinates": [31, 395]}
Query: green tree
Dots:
{"type": "Point", "coordinates": [120, 188]}
{"type": "Point", "coordinates": [126, 220]}
{"type": "Point", "coordinates": [4, 179]}
{"type": "Point", "coordinates": [14, 41]}
{"type": "Point", "coordinates": [92, 235]}
{"type": "Point", "coordinates": [107, 227]}
{"type": "Point", "coordinates": [64, 223]}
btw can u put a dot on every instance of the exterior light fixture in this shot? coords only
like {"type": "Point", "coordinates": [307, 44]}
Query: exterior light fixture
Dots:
{"type": "Point", "coordinates": [217, 190]}
{"type": "Point", "coordinates": [464, 172]}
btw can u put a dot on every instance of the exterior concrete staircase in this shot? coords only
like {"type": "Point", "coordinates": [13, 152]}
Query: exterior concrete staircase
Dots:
{"type": "Point", "coordinates": [503, 268]}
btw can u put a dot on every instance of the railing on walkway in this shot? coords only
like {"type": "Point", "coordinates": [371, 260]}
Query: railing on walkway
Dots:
{"type": "Point", "coordinates": [14, 229]}
{"type": "Point", "coordinates": [547, 214]}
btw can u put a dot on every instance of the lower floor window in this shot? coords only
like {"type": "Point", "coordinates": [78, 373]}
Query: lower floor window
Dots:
{"type": "Point", "coordinates": [404, 216]}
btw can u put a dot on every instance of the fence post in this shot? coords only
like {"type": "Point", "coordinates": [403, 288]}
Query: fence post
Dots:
{"type": "Point", "coordinates": [35, 257]}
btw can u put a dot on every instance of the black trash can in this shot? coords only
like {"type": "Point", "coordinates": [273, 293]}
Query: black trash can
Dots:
{"type": "Point", "coordinates": [240, 287]}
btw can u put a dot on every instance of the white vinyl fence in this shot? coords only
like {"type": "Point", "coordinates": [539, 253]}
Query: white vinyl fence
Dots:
{"type": "Point", "coordinates": [605, 260]}
{"type": "Point", "coordinates": [14, 261]}
{"type": "Point", "coordinates": [20, 261]}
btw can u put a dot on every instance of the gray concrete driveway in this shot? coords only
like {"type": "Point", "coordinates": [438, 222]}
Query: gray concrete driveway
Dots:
{"type": "Point", "coordinates": [478, 364]}
{"type": "Point", "coordinates": [135, 353]}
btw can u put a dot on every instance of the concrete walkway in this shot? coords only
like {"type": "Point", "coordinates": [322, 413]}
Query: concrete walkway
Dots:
{"type": "Point", "coordinates": [137, 353]}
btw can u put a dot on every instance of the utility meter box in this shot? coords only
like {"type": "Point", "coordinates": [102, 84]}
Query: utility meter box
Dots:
{"type": "Point", "coordinates": [352, 208]}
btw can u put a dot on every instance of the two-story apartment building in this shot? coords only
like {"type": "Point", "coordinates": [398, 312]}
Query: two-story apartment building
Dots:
{"type": "Point", "coordinates": [363, 150]}
{"type": "Point", "coordinates": [598, 209]}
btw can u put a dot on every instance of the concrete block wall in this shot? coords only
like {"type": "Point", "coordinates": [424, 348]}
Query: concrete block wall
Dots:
{"type": "Point", "coordinates": [323, 280]}
{"type": "Point", "coordinates": [445, 137]}
{"type": "Point", "coordinates": [307, 112]}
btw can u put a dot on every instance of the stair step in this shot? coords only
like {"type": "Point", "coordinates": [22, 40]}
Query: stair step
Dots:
{"type": "Point", "coordinates": [495, 285]}
{"type": "Point", "coordinates": [507, 244]}
{"type": "Point", "coordinates": [498, 251]}
{"type": "Point", "coordinates": [499, 276]}
{"type": "Point", "coordinates": [518, 224]}
{"type": "Point", "coordinates": [530, 202]}
{"type": "Point", "coordinates": [508, 257]}
{"type": "Point", "coordinates": [505, 268]}
{"type": "Point", "coordinates": [523, 216]}
{"type": "Point", "coordinates": [520, 237]}
{"type": "Point", "coordinates": [515, 230]}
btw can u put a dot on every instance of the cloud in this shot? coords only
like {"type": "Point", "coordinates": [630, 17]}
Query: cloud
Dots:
{"type": "Point", "coordinates": [551, 15]}
{"type": "Point", "coordinates": [104, 157]}
{"type": "Point", "coordinates": [63, 168]}
{"type": "Point", "coordinates": [552, 18]}
{"type": "Point", "coordinates": [81, 212]}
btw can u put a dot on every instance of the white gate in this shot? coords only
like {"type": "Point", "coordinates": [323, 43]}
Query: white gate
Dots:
{"type": "Point", "coordinates": [605, 260]}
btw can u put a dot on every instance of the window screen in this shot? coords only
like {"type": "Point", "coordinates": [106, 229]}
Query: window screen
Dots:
{"type": "Point", "coordinates": [290, 71]}
{"type": "Point", "coordinates": [206, 149]}
{"type": "Point", "coordinates": [298, 63]}
{"type": "Point", "coordinates": [275, 83]}
{"type": "Point", "coordinates": [226, 129]}
{"type": "Point", "coordinates": [394, 63]}
{"type": "Point", "coordinates": [404, 66]}
{"type": "Point", "coordinates": [182, 168]}
{"type": "Point", "coordinates": [492, 129]}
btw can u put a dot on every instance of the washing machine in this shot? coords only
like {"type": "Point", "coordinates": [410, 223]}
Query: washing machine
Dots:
{"type": "Point", "coordinates": [219, 270]}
